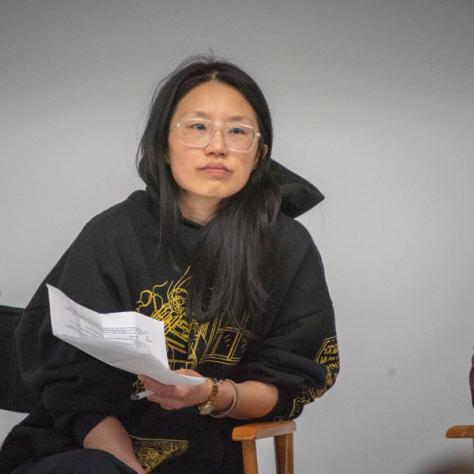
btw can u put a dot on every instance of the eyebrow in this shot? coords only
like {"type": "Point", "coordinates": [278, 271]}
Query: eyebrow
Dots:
{"type": "Point", "coordinates": [234, 118]}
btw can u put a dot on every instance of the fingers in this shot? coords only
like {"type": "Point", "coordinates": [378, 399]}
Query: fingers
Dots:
{"type": "Point", "coordinates": [151, 384]}
{"type": "Point", "coordinates": [167, 403]}
{"type": "Point", "coordinates": [156, 387]}
{"type": "Point", "coordinates": [190, 372]}
{"type": "Point", "coordinates": [169, 397]}
{"type": "Point", "coordinates": [174, 397]}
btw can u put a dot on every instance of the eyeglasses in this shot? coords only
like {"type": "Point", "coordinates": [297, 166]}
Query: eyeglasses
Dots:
{"type": "Point", "coordinates": [198, 133]}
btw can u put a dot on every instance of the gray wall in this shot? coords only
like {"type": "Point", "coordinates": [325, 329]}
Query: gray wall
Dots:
{"type": "Point", "coordinates": [372, 101]}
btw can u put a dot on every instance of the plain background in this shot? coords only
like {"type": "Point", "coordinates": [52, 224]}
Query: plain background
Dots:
{"type": "Point", "coordinates": [372, 101]}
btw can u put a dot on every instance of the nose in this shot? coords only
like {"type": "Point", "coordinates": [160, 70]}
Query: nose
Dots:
{"type": "Point", "coordinates": [217, 144]}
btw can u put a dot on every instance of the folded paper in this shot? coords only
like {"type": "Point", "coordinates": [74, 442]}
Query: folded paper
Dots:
{"type": "Point", "coordinates": [127, 340]}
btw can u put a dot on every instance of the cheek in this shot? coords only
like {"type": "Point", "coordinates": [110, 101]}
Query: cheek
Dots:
{"type": "Point", "coordinates": [179, 163]}
{"type": "Point", "coordinates": [249, 165]}
{"type": "Point", "coordinates": [243, 175]}
{"type": "Point", "coordinates": [180, 171]}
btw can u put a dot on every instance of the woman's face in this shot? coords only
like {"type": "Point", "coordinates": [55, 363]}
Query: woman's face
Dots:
{"type": "Point", "coordinates": [207, 175]}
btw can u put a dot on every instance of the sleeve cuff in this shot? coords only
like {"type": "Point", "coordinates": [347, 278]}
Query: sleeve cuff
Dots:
{"type": "Point", "coordinates": [280, 410]}
{"type": "Point", "coordinates": [79, 424]}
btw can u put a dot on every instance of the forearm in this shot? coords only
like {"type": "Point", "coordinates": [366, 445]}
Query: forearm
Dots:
{"type": "Point", "coordinates": [110, 435]}
{"type": "Point", "coordinates": [255, 399]}
{"type": "Point", "coordinates": [249, 399]}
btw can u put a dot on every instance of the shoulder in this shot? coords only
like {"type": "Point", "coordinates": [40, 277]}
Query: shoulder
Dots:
{"type": "Point", "coordinates": [114, 219]}
{"type": "Point", "coordinates": [119, 222]}
{"type": "Point", "coordinates": [295, 247]}
{"type": "Point", "coordinates": [292, 235]}
{"type": "Point", "coordinates": [120, 212]}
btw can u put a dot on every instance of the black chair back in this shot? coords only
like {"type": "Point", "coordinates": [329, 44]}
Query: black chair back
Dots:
{"type": "Point", "coordinates": [14, 394]}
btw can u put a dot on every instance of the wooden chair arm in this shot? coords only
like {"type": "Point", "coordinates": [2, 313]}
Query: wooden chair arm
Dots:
{"type": "Point", "coordinates": [253, 431]}
{"type": "Point", "coordinates": [460, 431]}
{"type": "Point", "coordinates": [282, 433]}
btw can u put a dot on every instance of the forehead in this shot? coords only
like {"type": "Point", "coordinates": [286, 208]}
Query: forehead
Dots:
{"type": "Point", "coordinates": [217, 100]}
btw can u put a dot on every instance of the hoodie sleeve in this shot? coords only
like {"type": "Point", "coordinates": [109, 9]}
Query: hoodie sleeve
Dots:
{"type": "Point", "coordinates": [75, 388]}
{"type": "Point", "coordinates": [299, 354]}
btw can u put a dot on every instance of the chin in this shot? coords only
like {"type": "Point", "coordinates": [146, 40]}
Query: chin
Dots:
{"type": "Point", "coordinates": [227, 195]}
{"type": "Point", "coordinates": [219, 193]}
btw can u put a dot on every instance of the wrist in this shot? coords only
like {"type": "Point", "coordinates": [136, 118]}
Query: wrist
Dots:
{"type": "Point", "coordinates": [208, 405]}
{"type": "Point", "coordinates": [222, 399]}
{"type": "Point", "coordinates": [229, 401]}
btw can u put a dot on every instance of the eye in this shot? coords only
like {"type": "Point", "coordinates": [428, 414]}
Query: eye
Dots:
{"type": "Point", "coordinates": [238, 131]}
{"type": "Point", "coordinates": [199, 126]}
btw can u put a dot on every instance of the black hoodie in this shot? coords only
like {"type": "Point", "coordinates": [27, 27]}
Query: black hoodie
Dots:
{"type": "Point", "coordinates": [114, 265]}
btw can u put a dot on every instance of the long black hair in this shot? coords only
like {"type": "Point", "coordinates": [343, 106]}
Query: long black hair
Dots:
{"type": "Point", "coordinates": [232, 267]}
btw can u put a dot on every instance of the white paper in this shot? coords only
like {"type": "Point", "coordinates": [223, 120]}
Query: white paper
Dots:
{"type": "Point", "coordinates": [127, 340]}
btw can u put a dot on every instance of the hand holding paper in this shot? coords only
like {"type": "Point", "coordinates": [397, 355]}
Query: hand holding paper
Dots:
{"type": "Point", "coordinates": [127, 340]}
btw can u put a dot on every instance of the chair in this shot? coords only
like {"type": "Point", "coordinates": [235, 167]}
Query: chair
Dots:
{"type": "Point", "coordinates": [464, 431]}
{"type": "Point", "coordinates": [461, 431]}
{"type": "Point", "coordinates": [14, 396]}
{"type": "Point", "coordinates": [18, 398]}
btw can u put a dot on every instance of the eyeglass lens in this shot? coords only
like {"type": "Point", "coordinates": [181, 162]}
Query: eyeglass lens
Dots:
{"type": "Point", "coordinates": [198, 133]}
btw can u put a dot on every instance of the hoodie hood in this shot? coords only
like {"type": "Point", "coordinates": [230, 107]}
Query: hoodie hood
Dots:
{"type": "Point", "coordinates": [297, 194]}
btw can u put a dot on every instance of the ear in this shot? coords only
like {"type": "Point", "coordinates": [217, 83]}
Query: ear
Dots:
{"type": "Point", "coordinates": [260, 155]}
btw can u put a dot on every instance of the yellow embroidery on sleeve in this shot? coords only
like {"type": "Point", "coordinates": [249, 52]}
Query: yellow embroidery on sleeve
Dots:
{"type": "Point", "coordinates": [328, 355]}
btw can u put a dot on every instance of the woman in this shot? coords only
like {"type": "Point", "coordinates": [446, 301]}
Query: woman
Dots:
{"type": "Point", "coordinates": [206, 249]}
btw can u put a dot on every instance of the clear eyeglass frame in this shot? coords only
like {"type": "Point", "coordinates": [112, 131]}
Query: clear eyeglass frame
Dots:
{"type": "Point", "coordinates": [226, 126]}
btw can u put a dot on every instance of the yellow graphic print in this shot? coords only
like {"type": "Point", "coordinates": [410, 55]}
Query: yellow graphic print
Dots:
{"type": "Point", "coordinates": [166, 302]}
{"type": "Point", "coordinates": [328, 355]}
{"type": "Point", "coordinates": [216, 342]}
{"type": "Point", "coordinates": [151, 452]}
{"type": "Point", "coordinates": [190, 343]}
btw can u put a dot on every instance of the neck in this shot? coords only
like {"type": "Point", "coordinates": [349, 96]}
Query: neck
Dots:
{"type": "Point", "coordinates": [198, 209]}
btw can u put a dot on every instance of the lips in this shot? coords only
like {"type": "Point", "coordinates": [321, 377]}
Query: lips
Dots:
{"type": "Point", "coordinates": [215, 170]}
{"type": "Point", "coordinates": [216, 167]}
